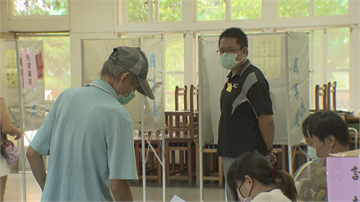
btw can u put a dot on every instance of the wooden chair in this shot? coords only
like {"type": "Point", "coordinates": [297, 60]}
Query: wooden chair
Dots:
{"type": "Point", "coordinates": [183, 144]}
{"type": "Point", "coordinates": [169, 114]}
{"type": "Point", "coordinates": [187, 125]}
{"type": "Point", "coordinates": [320, 92]}
{"type": "Point", "coordinates": [210, 174]}
{"type": "Point", "coordinates": [331, 99]}
{"type": "Point", "coordinates": [153, 172]}
{"type": "Point", "coordinates": [193, 117]}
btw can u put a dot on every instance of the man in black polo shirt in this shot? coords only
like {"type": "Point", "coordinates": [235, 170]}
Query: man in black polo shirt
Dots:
{"type": "Point", "coordinates": [246, 121]}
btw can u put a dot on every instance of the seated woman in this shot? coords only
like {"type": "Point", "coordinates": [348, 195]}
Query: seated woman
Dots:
{"type": "Point", "coordinates": [327, 132]}
{"type": "Point", "coordinates": [252, 178]}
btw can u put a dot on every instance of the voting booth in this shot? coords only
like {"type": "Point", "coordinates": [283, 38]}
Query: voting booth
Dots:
{"type": "Point", "coordinates": [22, 87]}
{"type": "Point", "coordinates": [284, 60]}
{"type": "Point", "coordinates": [147, 115]}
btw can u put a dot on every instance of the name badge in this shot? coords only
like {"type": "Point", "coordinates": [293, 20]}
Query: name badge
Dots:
{"type": "Point", "coordinates": [229, 87]}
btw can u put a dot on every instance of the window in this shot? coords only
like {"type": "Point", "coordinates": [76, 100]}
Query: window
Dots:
{"type": "Point", "coordinates": [56, 54]}
{"type": "Point", "coordinates": [331, 7]}
{"type": "Point", "coordinates": [301, 8]}
{"type": "Point", "coordinates": [243, 10]}
{"type": "Point", "coordinates": [137, 11]}
{"type": "Point", "coordinates": [210, 10]}
{"type": "Point", "coordinates": [337, 66]}
{"type": "Point", "coordinates": [40, 7]}
{"type": "Point", "coordinates": [141, 8]}
{"type": "Point", "coordinates": [174, 67]}
{"type": "Point", "coordinates": [293, 8]}
{"type": "Point", "coordinates": [170, 11]}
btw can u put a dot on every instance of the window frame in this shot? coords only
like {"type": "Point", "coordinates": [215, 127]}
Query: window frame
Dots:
{"type": "Point", "coordinates": [121, 19]}
{"type": "Point", "coordinates": [10, 6]}
{"type": "Point", "coordinates": [269, 22]}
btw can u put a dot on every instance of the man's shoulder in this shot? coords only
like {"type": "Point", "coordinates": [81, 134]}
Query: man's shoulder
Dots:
{"type": "Point", "coordinates": [258, 73]}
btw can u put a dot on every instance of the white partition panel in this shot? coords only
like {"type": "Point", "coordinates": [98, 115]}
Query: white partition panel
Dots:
{"type": "Point", "coordinates": [270, 53]}
{"type": "Point", "coordinates": [94, 53]}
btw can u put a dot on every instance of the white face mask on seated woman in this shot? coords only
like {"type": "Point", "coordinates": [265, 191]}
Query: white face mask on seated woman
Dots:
{"type": "Point", "coordinates": [241, 198]}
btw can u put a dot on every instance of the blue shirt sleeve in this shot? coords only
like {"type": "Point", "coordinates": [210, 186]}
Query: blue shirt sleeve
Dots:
{"type": "Point", "coordinates": [121, 154]}
{"type": "Point", "coordinates": [41, 141]}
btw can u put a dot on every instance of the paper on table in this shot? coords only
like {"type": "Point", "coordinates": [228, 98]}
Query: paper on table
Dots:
{"type": "Point", "coordinates": [267, 56]}
{"type": "Point", "coordinates": [176, 198]}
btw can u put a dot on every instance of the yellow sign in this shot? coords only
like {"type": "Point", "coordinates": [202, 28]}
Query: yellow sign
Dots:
{"type": "Point", "coordinates": [229, 87]}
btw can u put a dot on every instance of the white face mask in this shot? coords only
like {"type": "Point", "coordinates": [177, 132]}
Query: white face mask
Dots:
{"type": "Point", "coordinates": [323, 158]}
{"type": "Point", "coordinates": [312, 153]}
{"type": "Point", "coordinates": [242, 199]}
{"type": "Point", "coordinates": [228, 60]}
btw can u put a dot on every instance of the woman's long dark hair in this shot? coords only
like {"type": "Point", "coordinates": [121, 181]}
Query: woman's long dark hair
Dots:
{"type": "Point", "coordinates": [257, 167]}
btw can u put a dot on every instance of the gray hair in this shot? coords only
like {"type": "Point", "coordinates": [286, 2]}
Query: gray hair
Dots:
{"type": "Point", "coordinates": [113, 69]}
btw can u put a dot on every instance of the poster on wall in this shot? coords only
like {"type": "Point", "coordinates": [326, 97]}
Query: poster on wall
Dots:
{"type": "Point", "coordinates": [267, 55]}
{"type": "Point", "coordinates": [28, 62]}
{"type": "Point", "coordinates": [11, 70]}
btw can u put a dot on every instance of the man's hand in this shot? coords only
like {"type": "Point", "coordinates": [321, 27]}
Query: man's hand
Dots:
{"type": "Point", "coordinates": [273, 158]}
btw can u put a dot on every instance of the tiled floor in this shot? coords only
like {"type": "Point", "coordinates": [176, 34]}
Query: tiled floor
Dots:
{"type": "Point", "coordinates": [14, 191]}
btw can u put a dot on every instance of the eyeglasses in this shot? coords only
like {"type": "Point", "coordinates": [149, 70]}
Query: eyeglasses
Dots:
{"type": "Point", "coordinates": [220, 52]}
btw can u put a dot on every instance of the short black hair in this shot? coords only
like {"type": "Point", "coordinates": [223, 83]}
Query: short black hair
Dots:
{"type": "Point", "coordinates": [325, 123]}
{"type": "Point", "coordinates": [235, 32]}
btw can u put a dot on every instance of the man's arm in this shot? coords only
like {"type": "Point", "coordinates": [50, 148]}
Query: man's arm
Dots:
{"type": "Point", "coordinates": [37, 166]}
{"type": "Point", "coordinates": [267, 128]}
{"type": "Point", "coordinates": [121, 190]}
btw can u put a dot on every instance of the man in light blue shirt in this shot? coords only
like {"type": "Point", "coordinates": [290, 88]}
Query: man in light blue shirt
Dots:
{"type": "Point", "coordinates": [89, 135]}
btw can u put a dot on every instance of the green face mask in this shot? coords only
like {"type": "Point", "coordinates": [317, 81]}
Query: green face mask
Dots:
{"type": "Point", "coordinates": [228, 60]}
{"type": "Point", "coordinates": [124, 100]}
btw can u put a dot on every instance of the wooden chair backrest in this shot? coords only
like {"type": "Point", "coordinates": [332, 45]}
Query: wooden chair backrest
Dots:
{"type": "Point", "coordinates": [331, 96]}
{"type": "Point", "coordinates": [180, 92]}
{"type": "Point", "coordinates": [194, 92]}
{"type": "Point", "coordinates": [320, 92]}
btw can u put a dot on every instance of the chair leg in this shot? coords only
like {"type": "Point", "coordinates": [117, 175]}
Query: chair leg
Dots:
{"type": "Point", "coordinates": [221, 179]}
{"type": "Point", "coordinates": [170, 125]}
{"type": "Point", "coordinates": [189, 163]}
{"type": "Point", "coordinates": [181, 160]}
{"type": "Point", "coordinates": [197, 164]}
{"type": "Point", "coordinates": [167, 164]}
{"type": "Point", "coordinates": [159, 167]}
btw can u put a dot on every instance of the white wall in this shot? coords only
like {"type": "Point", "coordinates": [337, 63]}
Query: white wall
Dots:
{"type": "Point", "coordinates": [89, 19]}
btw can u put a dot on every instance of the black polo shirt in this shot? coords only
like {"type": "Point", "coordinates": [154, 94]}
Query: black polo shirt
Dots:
{"type": "Point", "coordinates": [244, 98]}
